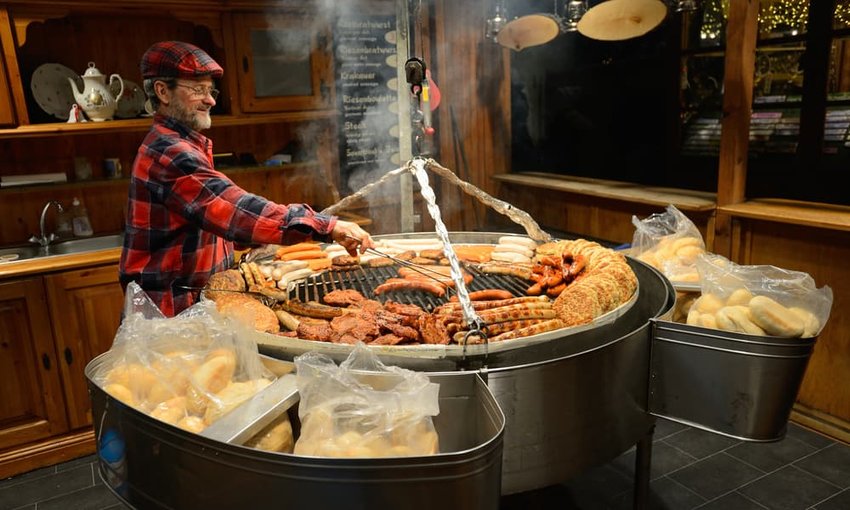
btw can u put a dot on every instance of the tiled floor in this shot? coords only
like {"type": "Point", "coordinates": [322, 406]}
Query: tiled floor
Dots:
{"type": "Point", "coordinates": [690, 469]}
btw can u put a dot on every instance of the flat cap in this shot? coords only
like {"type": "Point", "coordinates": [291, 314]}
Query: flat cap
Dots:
{"type": "Point", "coordinates": [176, 59]}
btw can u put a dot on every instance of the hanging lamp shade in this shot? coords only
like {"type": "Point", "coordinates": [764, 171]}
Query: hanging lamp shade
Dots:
{"type": "Point", "coordinates": [529, 30]}
{"type": "Point", "coordinates": [618, 20]}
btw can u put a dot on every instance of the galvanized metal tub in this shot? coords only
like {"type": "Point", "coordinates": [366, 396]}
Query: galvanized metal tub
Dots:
{"type": "Point", "coordinates": [150, 464]}
{"type": "Point", "coordinates": [737, 385]}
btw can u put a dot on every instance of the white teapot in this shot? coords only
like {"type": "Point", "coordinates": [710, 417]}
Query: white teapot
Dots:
{"type": "Point", "coordinates": [96, 98]}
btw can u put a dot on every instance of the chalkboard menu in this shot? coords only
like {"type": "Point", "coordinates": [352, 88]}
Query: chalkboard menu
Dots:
{"type": "Point", "coordinates": [367, 98]}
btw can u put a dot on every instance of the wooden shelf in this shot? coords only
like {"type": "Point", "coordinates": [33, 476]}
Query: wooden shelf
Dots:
{"type": "Point", "coordinates": [809, 214]}
{"type": "Point", "coordinates": [685, 200]}
{"type": "Point", "coordinates": [143, 124]}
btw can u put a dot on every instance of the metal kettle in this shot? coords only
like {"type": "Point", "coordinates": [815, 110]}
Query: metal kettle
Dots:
{"type": "Point", "coordinates": [96, 99]}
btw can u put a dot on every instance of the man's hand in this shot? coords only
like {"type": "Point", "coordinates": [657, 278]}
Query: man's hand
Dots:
{"type": "Point", "coordinates": [352, 237]}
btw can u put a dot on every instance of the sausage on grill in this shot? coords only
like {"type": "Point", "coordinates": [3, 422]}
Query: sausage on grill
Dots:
{"type": "Point", "coordinates": [396, 284]}
{"type": "Point", "coordinates": [487, 295]}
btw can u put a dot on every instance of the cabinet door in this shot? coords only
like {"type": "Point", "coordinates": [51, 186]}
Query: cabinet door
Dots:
{"type": "Point", "coordinates": [284, 63]}
{"type": "Point", "coordinates": [31, 403]}
{"type": "Point", "coordinates": [86, 309]}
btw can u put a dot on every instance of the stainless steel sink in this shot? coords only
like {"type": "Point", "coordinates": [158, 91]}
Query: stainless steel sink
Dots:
{"type": "Point", "coordinates": [69, 247]}
{"type": "Point", "coordinates": [86, 244]}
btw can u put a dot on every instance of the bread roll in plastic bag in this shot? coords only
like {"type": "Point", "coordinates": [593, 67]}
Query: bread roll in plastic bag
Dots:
{"type": "Point", "coordinates": [670, 242]}
{"type": "Point", "coordinates": [759, 299]}
{"type": "Point", "coordinates": [363, 408]}
{"type": "Point", "coordinates": [187, 370]}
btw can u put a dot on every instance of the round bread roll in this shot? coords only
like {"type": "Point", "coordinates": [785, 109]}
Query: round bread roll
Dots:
{"type": "Point", "coordinates": [739, 316]}
{"type": "Point", "coordinates": [214, 374]}
{"type": "Point", "coordinates": [739, 297]}
{"type": "Point", "coordinates": [275, 437]}
{"type": "Point", "coordinates": [121, 392]}
{"type": "Point", "coordinates": [708, 303]}
{"type": "Point", "coordinates": [192, 424]}
{"type": "Point", "coordinates": [708, 320]}
{"type": "Point", "coordinates": [683, 242]}
{"type": "Point", "coordinates": [688, 254]}
{"type": "Point", "coordinates": [811, 323]}
{"type": "Point", "coordinates": [693, 317]}
{"type": "Point", "coordinates": [171, 411]}
{"type": "Point", "coordinates": [774, 318]}
{"type": "Point", "coordinates": [136, 377]}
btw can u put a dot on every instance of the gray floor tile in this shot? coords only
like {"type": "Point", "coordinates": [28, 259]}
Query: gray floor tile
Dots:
{"type": "Point", "coordinates": [95, 497]}
{"type": "Point", "coordinates": [771, 456]}
{"type": "Point", "coordinates": [40, 489]}
{"type": "Point", "coordinates": [840, 501]}
{"type": "Point", "coordinates": [557, 496]}
{"type": "Point", "coordinates": [700, 444]}
{"type": "Point", "coordinates": [807, 436]}
{"type": "Point", "coordinates": [665, 459]}
{"type": "Point", "coordinates": [789, 489]}
{"type": "Point", "coordinates": [27, 507]}
{"type": "Point", "coordinates": [598, 488]}
{"type": "Point", "coordinates": [832, 464]}
{"type": "Point", "coordinates": [665, 428]}
{"type": "Point", "coordinates": [667, 494]}
{"type": "Point", "coordinates": [716, 475]}
{"type": "Point", "coordinates": [731, 501]}
{"type": "Point", "coordinates": [32, 475]}
{"type": "Point", "coordinates": [88, 459]}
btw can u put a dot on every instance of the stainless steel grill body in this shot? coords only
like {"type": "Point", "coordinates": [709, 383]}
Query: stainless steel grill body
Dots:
{"type": "Point", "coordinates": [572, 401]}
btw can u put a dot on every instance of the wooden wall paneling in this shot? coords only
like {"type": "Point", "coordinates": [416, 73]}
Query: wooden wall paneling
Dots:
{"type": "Point", "coordinates": [742, 26]}
{"type": "Point", "coordinates": [820, 253]}
{"type": "Point", "coordinates": [7, 44]}
{"type": "Point", "coordinates": [230, 64]}
{"type": "Point", "coordinates": [474, 79]}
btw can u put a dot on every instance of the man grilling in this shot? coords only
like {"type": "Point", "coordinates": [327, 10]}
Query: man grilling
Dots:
{"type": "Point", "coordinates": [183, 216]}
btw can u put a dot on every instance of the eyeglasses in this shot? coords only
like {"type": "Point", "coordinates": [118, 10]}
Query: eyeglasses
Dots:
{"type": "Point", "coordinates": [201, 91]}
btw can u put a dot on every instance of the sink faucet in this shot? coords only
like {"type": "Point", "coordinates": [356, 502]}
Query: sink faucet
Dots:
{"type": "Point", "coordinates": [44, 239]}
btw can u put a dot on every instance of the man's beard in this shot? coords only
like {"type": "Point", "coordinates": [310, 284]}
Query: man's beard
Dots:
{"type": "Point", "coordinates": [194, 118]}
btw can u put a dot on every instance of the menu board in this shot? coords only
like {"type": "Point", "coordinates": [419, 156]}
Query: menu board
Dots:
{"type": "Point", "coordinates": [366, 63]}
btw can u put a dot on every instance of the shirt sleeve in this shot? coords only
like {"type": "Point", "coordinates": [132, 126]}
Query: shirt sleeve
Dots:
{"type": "Point", "coordinates": [204, 196]}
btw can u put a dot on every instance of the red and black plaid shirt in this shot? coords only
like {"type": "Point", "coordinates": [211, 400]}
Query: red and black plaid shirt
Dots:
{"type": "Point", "coordinates": [183, 217]}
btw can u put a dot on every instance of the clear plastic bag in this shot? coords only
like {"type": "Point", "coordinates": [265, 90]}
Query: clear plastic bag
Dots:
{"type": "Point", "coordinates": [364, 408]}
{"type": "Point", "coordinates": [187, 370]}
{"type": "Point", "coordinates": [759, 299]}
{"type": "Point", "coordinates": [670, 242]}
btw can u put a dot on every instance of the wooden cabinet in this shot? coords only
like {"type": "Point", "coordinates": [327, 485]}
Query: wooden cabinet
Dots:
{"type": "Point", "coordinates": [85, 310]}
{"type": "Point", "coordinates": [284, 61]}
{"type": "Point", "coordinates": [31, 403]}
{"type": "Point", "coordinates": [51, 326]}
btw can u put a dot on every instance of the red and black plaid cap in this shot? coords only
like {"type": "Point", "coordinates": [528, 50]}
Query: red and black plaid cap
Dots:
{"type": "Point", "coordinates": [176, 59]}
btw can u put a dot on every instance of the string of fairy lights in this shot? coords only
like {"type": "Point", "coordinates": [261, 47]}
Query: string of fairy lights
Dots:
{"type": "Point", "coordinates": [788, 16]}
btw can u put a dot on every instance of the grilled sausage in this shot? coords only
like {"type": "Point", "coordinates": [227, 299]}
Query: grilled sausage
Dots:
{"type": "Point", "coordinates": [507, 269]}
{"type": "Point", "coordinates": [396, 284]}
{"type": "Point", "coordinates": [454, 307]}
{"type": "Point", "coordinates": [311, 309]}
{"type": "Point", "coordinates": [534, 329]}
{"type": "Point", "coordinates": [501, 327]}
{"type": "Point", "coordinates": [487, 295]}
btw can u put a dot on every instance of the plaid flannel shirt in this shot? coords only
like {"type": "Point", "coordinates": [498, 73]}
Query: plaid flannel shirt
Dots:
{"type": "Point", "coordinates": [183, 217]}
